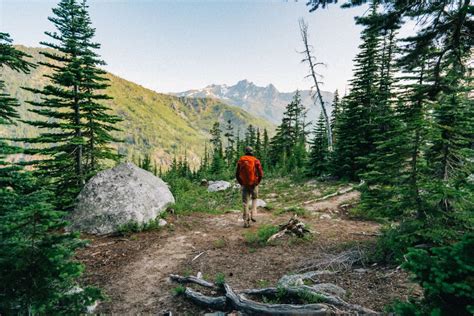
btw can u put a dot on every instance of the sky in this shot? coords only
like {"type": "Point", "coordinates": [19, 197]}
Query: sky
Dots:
{"type": "Point", "coordinates": [177, 45]}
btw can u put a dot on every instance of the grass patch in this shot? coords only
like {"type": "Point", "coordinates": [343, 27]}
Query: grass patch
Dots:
{"type": "Point", "coordinates": [192, 197]}
{"type": "Point", "coordinates": [294, 210]}
{"type": "Point", "coordinates": [179, 290]}
{"type": "Point", "coordinates": [219, 279]}
{"type": "Point", "coordinates": [261, 236]}
{"type": "Point", "coordinates": [134, 227]}
{"type": "Point", "coordinates": [220, 243]}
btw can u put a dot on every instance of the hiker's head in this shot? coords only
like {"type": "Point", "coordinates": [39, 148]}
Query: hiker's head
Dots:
{"type": "Point", "coordinates": [248, 150]}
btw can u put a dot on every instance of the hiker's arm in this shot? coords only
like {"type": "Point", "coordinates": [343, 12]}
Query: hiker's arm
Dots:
{"type": "Point", "coordinates": [259, 171]}
{"type": "Point", "coordinates": [237, 174]}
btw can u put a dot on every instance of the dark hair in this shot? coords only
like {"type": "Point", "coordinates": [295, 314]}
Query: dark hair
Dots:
{"type": "Point", "coordinates": [248, 150]}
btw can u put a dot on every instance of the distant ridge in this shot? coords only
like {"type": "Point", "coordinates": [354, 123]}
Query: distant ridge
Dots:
{"type": "Point", "coordinates": [153, 123]}
{"type": "Point", "coordinates": [265, 102]}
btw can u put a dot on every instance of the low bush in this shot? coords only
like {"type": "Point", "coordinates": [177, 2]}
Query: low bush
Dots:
{"type": "Point", "coordinates": [447, 277]}
{"type": "Point", "coordinates": [261, 236]}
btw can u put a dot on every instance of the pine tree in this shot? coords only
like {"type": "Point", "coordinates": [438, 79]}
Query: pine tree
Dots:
{"type": "Point", "coordinates": [336, 110]}
{"type": "Point", "coordinates": [38, 274]}
{"type": "Point", "coordinates": [16, 60]}
{"type": "Point", "coordinates": [78, 128]}
{"type": "Point", "coordinates": [218, 162]}
{"type": "Point", "coordinates": [318, 152]}
{"type": "Point", "coordinates": [230, 155]}
{"type": "Point", "coordinates": [355, 138]}
{"type": "Point", "coordinates": [288, 146]}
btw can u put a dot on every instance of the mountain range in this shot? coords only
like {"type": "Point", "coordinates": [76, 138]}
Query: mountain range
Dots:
{"type": "Point", "coordinates": [265, 102]}
{"type": "Point", "coordinates": [153, 123]}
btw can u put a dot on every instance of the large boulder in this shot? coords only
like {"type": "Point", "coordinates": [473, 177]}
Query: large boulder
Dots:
{"type": "Point", "coordinates": [118, 196]}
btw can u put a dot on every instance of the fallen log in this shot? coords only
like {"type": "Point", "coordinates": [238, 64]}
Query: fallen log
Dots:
{"type": "Point", "coordinates": [250, 307]}
{"type": "Point", "coordinates": [233, 300]}
{"type": "Point", "coordinates": [217, 303]}
{"type": "Point", "coordinates": [192, 279]}
{"type": "Point", "coordinates": [301, 291]}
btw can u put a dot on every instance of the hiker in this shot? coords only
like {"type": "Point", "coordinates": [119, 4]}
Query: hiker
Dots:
{"type": "Point", "coordinates": [249, 173]}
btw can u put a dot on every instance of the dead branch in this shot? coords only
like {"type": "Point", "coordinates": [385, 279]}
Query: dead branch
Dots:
{"type": "Point", "coordinates": [192, 279]}
{"type": "Point", "coordinates": [294, 227]}
{"type": "Point", "coordinates": [334, 262]}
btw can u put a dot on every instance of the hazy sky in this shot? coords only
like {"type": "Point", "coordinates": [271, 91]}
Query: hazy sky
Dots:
{"type": "Point", "coordinates": [176, 45]}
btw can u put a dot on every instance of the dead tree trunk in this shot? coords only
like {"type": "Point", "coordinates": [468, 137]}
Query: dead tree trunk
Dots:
{"type": "Point", "coordinates": [311, 60]}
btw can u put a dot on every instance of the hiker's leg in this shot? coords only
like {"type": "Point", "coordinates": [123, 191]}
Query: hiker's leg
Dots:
{"type": "Point", "coordinates": [245, 201]}
{"type": "Point", "coordinates": [253, 212]}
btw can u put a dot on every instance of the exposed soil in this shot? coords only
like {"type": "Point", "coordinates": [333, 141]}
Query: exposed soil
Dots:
{"type": "Point", "coordinates": [134, 270]}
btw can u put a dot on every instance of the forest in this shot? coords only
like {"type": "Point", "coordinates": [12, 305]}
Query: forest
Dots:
{"type": "Point", "coordinates": [402, 136]}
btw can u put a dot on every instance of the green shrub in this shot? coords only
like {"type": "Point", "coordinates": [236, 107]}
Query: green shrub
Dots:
{"type": "Point", "coordinates": [220, 279]}
{"type": "Point", "coordinates": [134, 227]}
{"type": "Point", "coordinates": [447, 277]}
{"type": "Point", "coordinates": [396, 240]}
{"type": "Point", "coordinates": [179, 290]}
{"type": "Point", "coordinates": [261, 236]}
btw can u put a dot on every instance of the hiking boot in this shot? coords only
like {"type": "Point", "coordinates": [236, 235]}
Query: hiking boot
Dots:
{"type": "Point", "coordinates": [253, 219]}
{"type": "Point", "coordinates": [246, 224]}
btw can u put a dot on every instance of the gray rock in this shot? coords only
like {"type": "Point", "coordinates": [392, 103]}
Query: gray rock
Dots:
{"type": "Point", "coordinates": [329, 288]}
{"type": "Point", "coordinates": [118, 196]}
{"type": "Point", "coordinates": [220, 185]}
{"type": "Point", "coordinates": [361, 270]}
{"type": "Point", "coordinates": [261, 203]}
{"type": "Point", "coordinates": [325, 216]}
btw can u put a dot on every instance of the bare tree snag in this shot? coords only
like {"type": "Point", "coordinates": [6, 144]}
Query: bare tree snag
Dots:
{"type": "Point", "coordinates": [311, 60]}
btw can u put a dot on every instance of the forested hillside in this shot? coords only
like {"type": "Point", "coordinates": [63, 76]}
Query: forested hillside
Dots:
{"type": "Point", "coordinates": [157, 124]}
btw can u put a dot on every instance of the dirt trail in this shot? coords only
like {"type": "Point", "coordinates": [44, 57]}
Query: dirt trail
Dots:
{"type": "Point", "coordinates": [134, 271]}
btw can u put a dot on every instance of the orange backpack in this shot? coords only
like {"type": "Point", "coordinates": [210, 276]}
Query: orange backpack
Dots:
{"type": "Point", "coordinates": [247, 170]}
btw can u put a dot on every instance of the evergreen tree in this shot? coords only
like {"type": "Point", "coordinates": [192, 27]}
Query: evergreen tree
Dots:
{"type": "Point", "coordinates": [218, 162]}
{"type": "Point", "coordinates": [288, 146]}
{"type": "Point", "coordinates": [38, 274]}
{"type": "Point", "coordinates": [250, 136]}
{"type": "Point", "coordinates": [318, 152]}
{"type": "Point", "coordinates": [230, 147]}
{"type": "Point", "coordinates": [355, 129]}
{"type": "Point", "coordinates": [336, 109]}
{"type": "Point", "coordinates": [16, 60]}
{"type": "Point", "coordinates": [78, 128]}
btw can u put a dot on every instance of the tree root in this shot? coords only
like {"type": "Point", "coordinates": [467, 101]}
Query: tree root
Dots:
{"type": "Point", "coordinates": [294, 227]}
{"type": "Point", "coordinates": [327, 303]}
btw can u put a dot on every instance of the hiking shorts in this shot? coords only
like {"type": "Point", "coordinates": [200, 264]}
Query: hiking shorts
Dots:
{"type": "Point", "coordinates": [249, 191]}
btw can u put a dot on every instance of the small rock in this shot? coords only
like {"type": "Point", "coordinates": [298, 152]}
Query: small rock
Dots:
{"type": "Point", "coordinates": [199, 275]}
{"type": "Point", "coordinates": [272, 195]}
{"type": "Point", "coordinates": [215, 186]}
{"type": "Point", "coordinates": [204, 183]}
{"type": "Point", "coordinates": [325, 216]}
{"type": "Point", "coordinates": [162, 222]}
{"type": "Point", "coordinates": [361, 270]}
{"type": "Point", "coordinates": [261, 203]}
{"type": "Point", "coordinates": [329, 288]}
